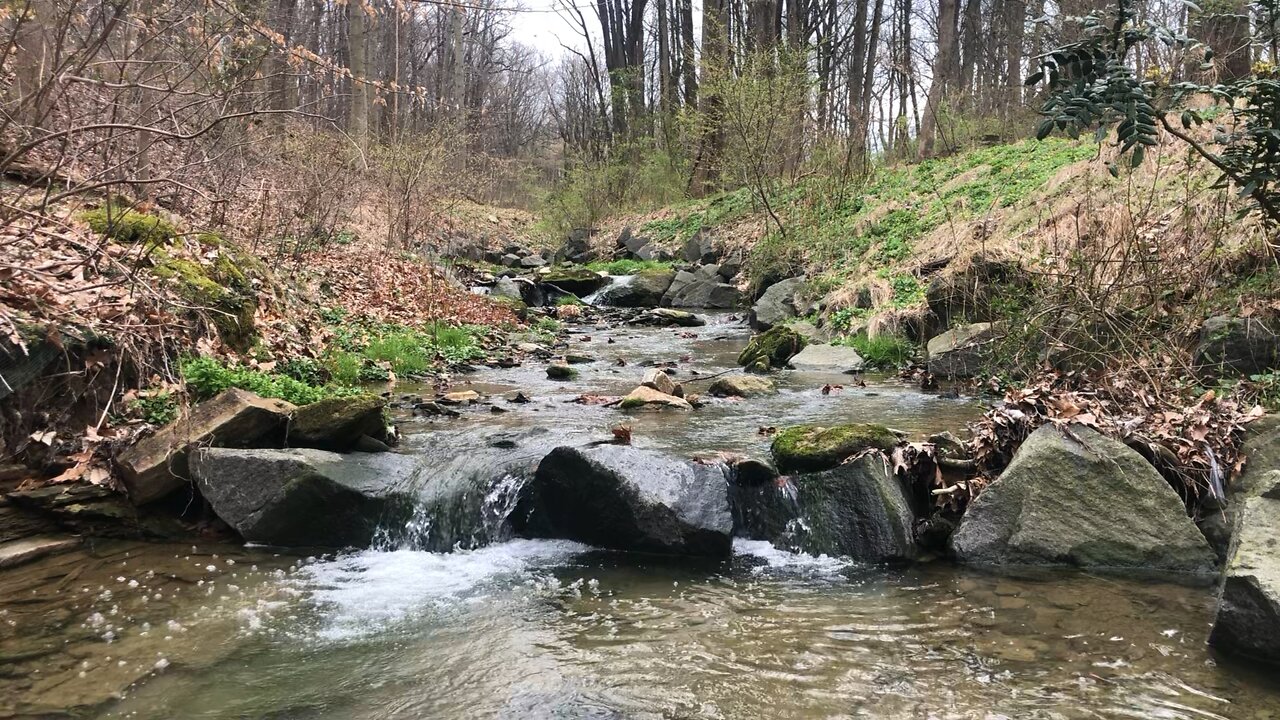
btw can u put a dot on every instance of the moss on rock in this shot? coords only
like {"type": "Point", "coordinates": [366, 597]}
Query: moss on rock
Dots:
{"type": "Point", "coordinates": [222, 288]}
{"type": "Point", "coordinates": [813, 448]}
{"type": "Point", "coordinates": [771, 349]}
{"type": "Point", "coordinates": [129, 226]}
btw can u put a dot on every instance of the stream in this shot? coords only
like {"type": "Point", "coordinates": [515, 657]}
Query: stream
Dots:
{"type": "Point", "coordinates": [553, 629]}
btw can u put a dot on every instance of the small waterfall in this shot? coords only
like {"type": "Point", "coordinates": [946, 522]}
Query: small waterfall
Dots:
{"type": "Point", "coordinates": [615, 281]}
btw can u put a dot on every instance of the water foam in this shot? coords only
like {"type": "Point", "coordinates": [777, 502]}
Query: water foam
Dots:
{"type": "Point", "coordinates": [785, 561]}
{"type": "Point", "coordinates": [365, 592]}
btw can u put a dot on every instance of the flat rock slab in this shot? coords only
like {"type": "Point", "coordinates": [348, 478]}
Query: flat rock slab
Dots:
{"type": "Point", "coordinates": [1075, 497]}
{"type": "Point", "coordinates": [837, 358]}
{"type": "Point", "coordinates": [17, 552]}
{"type": "Point", "coordinates": [157, 465]}
{"type": "Point", "coordinates": [306, 497]}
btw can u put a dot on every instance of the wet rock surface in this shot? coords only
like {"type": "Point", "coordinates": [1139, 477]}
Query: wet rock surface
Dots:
{"type": "Point", "coordinates": [857, 510]}
{"type": "Point", "coordinates": [629, 499]}
{"type": "Point", "coordinates": [1075, 497]}
{"type": "Point", "coordinates": [306, 497]}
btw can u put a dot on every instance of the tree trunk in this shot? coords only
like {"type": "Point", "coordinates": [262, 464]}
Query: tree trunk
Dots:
{"type": "Point", "coordinates": [943, 67]}
{"type": "Point", "coordinates": [358, 120]}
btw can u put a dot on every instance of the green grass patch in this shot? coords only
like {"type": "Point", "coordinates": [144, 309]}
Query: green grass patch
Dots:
{"type": "Point", "coordinates": [207, 377]}
{"type": "Point", "coordinates": [629, 267]}
{"type": "Point", "coordinates": [160, 408]}
{"type": "Point", "coordinates": [363, 352]}
{"type": "Point", "coordinates": [884, 352]}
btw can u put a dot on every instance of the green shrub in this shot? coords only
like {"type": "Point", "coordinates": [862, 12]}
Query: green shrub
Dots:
{"type": "Point", "coordinates": [207, 377]}
{"type": "Point", "coordinates": [882, 352]}
{"type": "Point", "coordinates": [158, 409]}
{"type": "Point", "coordinates": [567, 300]}
{"type": "Point", "coordinates": [129, 226]}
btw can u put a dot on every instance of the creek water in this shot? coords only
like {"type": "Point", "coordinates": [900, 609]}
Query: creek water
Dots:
{"type": "Point", "coordinates": [553, 629]}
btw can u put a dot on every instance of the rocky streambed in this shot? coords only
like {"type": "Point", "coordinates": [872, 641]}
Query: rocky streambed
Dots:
{"type": "Point", "coordinates": [506, 578]}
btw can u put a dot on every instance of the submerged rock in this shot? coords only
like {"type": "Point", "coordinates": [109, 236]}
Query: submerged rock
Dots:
{"type": "Point", "coordinates": [561, 372]}
{"type": "Point", "coordinates": [1084, 500]}
{"type": "Point", "coordinates": [743, 386]}
{"type": "Point", "coordinates": [625, 498]}
{"type": "Point", "coordinates": [771, 349]}
{"type": "Point", "coordinates": [305, 497]}
{"type": "Point", "coordinates": [857, 510]}
{"type": "Point", "coordinates": [648, 397]}
{"type": "Point", "coordinates": [667, 316]}
{"type": "Point", "coordinates": [811, 448]}
{"type": "Point", "coordinates": [157, 465]}
{"type": "Point", "coordinates": [776, 305]}
{"type": "Point", "coordinates": [338, 423]}
{"type": "Point", "coordinates": [836, 358]}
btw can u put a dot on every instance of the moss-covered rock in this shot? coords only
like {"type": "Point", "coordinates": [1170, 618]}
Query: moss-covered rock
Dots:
{"type": "Point", "coordinates": [813, 448]}
{"type": "Point", "coordinates": [771, 349]}
{"type": "Point", "coordinates": [129, 226]}
{"type": "Point", "coordinates": [561, 372]}
{"type": "Point", "coordinates": [577, 280]}
{"type": "Point", "coordinates": [222, 288]}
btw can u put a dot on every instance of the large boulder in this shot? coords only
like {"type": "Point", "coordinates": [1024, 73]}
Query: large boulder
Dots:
{"type": "Point", "coordinates": [700, 249]}
{"type": "Point", "coordinates": [743, 386]}
{"type": "Point", "coordinates": [520, 289]}
{"type": "Point", "coordinates": [771, 349]}
{"type": "Point", "coordinates": [812, 448]}
{"type": "Point", "coordinates": [1248, 621]}
{"type": "Point", "coordinates": [1238, 346]}
{"type": "Point", "coordinates": [157, 465]}
{"type": "Point", "coordinates": [579, 281]}
{"type": "Point", "coordinates": [1075, 497]}
{"type": "Point", "coordinates": [857, 510]}
{"type": "Point", "coordinates": [305, 497]}
{"type": "Point", "coordinates": [338, 423]}
{"type": "Point", "coordinates": [698, 290]}
{"type": "Point", "coordinates": [625, 498]}
{"type": "Point", "coordinates": [833, 358]}
{"type": "Point", "coordinates": [644, 289]}
{"type": "Point", "coordinates": [983, 292]}
{"type": "Point", "coordinates": [776, 305]}
{"type": "Point", "coordinates": [629, 244]}
{"type": "Point", "coordinates": [962, 351]}
{"type": "Point", "coordinates": [576, 248]}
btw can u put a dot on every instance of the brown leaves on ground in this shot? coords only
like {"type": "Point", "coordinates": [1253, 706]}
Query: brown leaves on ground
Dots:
{"type": "Point", "coordinates": [1195, 443]}
{"type": "Point", "coordinates": [378, 285]}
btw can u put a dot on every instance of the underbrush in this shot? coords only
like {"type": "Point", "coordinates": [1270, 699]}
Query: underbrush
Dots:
{"type": "Point", "coordinates": [206, 377]}
{"type": "Point", "coordinates": [628, 267]}
{"type": "Point", "coordinates": [363, 352]}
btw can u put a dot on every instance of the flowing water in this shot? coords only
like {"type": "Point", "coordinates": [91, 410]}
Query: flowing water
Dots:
{"type": "Point", "coordinates": [553, 629]}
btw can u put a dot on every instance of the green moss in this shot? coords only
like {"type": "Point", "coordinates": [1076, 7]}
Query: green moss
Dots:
{"type": "Point", "coordinates": [561, 372]}
{"type": "Point", "coordinates": [631, 403]}
{"type": "Point", "coordinates": [813, 448]}
{"type": "Point", "coordinates": [771, 349]}
{"type": "Point", "coordinates": [221, 289]}
{"type": "Point", "coordinates": [129, 226]}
